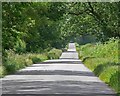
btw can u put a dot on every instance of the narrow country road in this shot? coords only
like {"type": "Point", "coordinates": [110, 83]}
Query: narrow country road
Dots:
{"type": "Point", "coordinates": [66, 75]}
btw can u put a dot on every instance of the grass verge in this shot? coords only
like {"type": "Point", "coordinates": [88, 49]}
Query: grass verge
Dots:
{"type": "Point", "coordinates": [103, 60]}
{"type": "Point", "coordinates": [13, 62]}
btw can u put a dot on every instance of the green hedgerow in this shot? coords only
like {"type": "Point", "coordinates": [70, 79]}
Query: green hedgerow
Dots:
{"type": "Point", "coordinates": [102, 59]}
{"type": "Point", "coordinates": [13, 62]}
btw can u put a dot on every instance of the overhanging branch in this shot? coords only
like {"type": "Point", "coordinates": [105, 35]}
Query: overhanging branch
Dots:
{"type": "Point", "coordinates": [94, 13]}
{"type": "Point", "coordinates": [78, 13]}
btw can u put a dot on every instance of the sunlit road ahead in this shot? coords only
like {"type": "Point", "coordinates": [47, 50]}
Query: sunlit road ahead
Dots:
{"type": "Point", "coordinates": [66, 75]}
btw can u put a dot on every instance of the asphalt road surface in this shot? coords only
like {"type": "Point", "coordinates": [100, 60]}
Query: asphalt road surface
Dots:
{"type": "Point", "coordinates": [66, 76]}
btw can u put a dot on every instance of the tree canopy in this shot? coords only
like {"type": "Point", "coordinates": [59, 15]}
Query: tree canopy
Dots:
{"type": "Point", "coordinates": [34, 26]}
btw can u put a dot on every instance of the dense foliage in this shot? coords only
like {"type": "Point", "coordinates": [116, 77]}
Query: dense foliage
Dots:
{"type": "Point", "coordinates": [33, 27]}
{"type": "Point", "coordinates": [103, 60]}
{"type": "Point", "coordinates": [29, 26]}
{"type": "Point", "coordinates": [29, 34]}
{"type": "Point", "coordinates": [14, 62]}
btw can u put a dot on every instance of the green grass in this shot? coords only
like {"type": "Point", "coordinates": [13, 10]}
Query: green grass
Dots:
{"type": "Point", "coordinates": [13, 62]}
{"type": "Point", "coordinates": [103, 60]}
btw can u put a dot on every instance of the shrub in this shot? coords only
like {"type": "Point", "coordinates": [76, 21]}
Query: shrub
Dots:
{"type": "Point", "coordinates": [28, 62]}
{"type": "Point", "coordinates": [115, 81]}
{"type": "Point", "coordinates": [20, 46]}
{"type": "Point", "coordinates": [54, 53]}
{"type": "Point", "coordinates": [2, 71]}
{"type": "Point", "coordinates": [13, 62]}
{"type": "Point", "coordinates": [102, 59]}
{"type": "Point", "coordinates": [36, 58]}
{"type": "Point", "coordinates": [107, 73]}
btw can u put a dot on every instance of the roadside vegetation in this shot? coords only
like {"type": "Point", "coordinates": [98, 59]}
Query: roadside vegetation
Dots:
{"type": "Point", "coordinates": [13, 61]}
{"type": "Point", "coordinates": [35, 31]}
{"type": "Point", "coordinates": [103, 60]}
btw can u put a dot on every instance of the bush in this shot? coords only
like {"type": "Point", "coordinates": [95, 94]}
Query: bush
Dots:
{"type": "Point", "coordinates": [13, 62]}
{"type": "Point", "coordinates": [28, 62]}
{"type": "Point", "coordinates": [20, 46]}
{"type": "Point", "coordinates": [102, 59]}
{"type": "Point", "coordinates": [36, 58]}
{"type": "Point", "coordinates": [115, 81]}
{"type": "Point", "coordinates": [54, 53]}
{"type": "Point", "coordinates": [2, 71]}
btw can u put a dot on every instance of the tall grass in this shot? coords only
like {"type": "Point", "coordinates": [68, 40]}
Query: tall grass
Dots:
{"type": "Point", "coordinates": [103, 60]}
{"type": "Point", "coordinates": [13, 62]}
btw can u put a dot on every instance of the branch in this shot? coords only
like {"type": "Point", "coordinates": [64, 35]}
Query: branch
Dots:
{"type": "Point", "coordinates": [78, 13]}
{"type": "Point", "coordinates": [94, 13]}
{"type": "Point", "coordinates": [92, 10]}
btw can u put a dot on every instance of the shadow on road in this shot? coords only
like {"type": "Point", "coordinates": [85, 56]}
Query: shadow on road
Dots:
{"type": "Point", "coordinates": [55, 72]}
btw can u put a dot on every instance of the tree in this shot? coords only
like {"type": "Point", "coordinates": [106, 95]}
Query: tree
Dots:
{"type": "Point", "coordinates": [33, 27]}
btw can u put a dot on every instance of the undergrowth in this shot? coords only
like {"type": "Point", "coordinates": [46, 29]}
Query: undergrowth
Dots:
{"type": "Point", "coordinates": [13, 61]}
{"type": "Point", "coordinates": [103, 60]}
